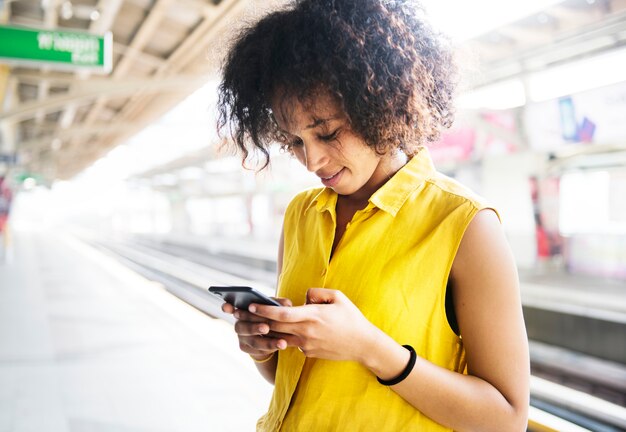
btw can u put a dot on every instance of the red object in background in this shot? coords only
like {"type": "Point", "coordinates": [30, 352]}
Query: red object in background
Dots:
{"type": "Point", "coordinates": [463, 142]}
{"type": "Point", "coordinates": [543, 243]}
{"type": "Point", "coordinates": [5, 203]}
{"type": "Point", "coordinates": [456, 145]}
{"type": "Point", "coordinates": [544, 195]}
{"type": "Point", "coordinates": [497, 143]}
{"type": "Point", "coordinates": [502, 119]}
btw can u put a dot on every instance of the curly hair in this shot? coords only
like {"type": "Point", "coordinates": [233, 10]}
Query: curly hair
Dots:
{"type": "Point", "coordinates": [391, 73]}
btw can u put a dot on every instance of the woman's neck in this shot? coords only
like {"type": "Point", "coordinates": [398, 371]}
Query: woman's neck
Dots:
{"type": "Point", "coordinates": [388, 166]}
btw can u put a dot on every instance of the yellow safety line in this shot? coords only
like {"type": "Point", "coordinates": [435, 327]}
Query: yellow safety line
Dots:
{"type": "Point", "coordinates": [536, 426]}
{"type": "Point", "coordinates": [541, 421]}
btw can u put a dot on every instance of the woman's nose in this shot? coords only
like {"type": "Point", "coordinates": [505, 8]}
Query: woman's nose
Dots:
{"type": "Point", "coordinates": [315, 156]}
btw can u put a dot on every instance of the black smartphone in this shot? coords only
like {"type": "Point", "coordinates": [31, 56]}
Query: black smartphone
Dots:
{"type": "Point", "coordinates": [242, 296]}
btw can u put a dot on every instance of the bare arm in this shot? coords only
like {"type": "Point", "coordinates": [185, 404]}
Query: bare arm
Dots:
{"type": "Point", "coordinates": [494, 395]}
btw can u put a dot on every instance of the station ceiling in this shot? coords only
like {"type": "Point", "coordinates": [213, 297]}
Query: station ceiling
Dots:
{"type": "Point", "coordinates": [59, 122]}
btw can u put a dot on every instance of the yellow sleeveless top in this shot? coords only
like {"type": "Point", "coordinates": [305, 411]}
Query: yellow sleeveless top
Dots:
{"type": "Point", "coordinates": [393, 262]}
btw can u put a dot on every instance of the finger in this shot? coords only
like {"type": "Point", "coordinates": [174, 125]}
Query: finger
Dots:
{"type": "Point", "coordinates": [321, 295]}
{"type": "Point", "coordinates": [277, 335]}
{"type": "Point", "coordinates": [283, 301]}
{"type": "Point", "coordinates": [251, 346]}
{"type": "Point", "coordinates": [261, 344]}
{"type": "Point", "coordinates": [291, 341]}
{"type": "Point", "coordinates": [283, 314]}
{"type": "Point", "coordinates": [245, 328]}
{"type": "Point", "coordinates": [286, 328]}
{"type": "Point", "coordinates": [228, 308]}
{"type": "Point", "coordinates": [243, 315]}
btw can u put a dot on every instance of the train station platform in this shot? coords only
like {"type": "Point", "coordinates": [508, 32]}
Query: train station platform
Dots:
{"type": "Point", "coordinates": [589, 295]}
{"type": "Point", "coordinates": [88, 345]}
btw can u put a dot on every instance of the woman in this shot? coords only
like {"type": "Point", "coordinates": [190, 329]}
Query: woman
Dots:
{"type": "Point", "coordinates": [401, 293]}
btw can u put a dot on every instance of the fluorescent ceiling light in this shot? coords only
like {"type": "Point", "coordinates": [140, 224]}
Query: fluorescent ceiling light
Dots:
{"type": "Point", "coordinates": [499, 96]}
{"type": "Point", "coordinates": [463, 20]}
{"type": "Point", "coordinates": [575, 77]}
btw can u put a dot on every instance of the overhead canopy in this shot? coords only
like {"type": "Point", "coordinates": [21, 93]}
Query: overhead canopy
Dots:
{"type": "Point", "coordinates": [59, 121]}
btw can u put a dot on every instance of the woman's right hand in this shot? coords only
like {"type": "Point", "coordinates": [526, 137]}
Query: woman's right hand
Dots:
{"type": "Point", "coordinates": [253, 331]}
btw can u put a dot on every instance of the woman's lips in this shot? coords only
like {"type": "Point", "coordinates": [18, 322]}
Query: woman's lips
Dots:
{"type": "Point", "coordinates": [332, 181]}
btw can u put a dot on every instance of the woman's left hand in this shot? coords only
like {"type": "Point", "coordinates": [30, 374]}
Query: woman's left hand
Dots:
{"type": "Point", "coordinates": [329, 326]}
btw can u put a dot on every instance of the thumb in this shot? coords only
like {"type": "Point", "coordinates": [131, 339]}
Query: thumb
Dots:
{"type": "Point", "coordinates": [283, 301]}
{"type": "Point", "coordinates": [320, 295]}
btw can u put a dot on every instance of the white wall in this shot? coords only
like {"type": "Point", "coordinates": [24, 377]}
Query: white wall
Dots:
{"type": "Point", "coordinates": [505, 180]}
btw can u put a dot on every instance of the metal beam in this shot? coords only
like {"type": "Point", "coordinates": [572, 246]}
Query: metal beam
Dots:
{"type": "Point", "coordinates": [191, 49]}
{"type": "Point", "coordinates": [77, 131]}
{"type": "Point", "coordinates": [593, 38]}
{"type": "Point", "coordinates": [5, 72]}
{"type": "Point", "coordinates": [526, 35]}
{"type": "Point", "coordinates": [206, 9]}
{"type": "Point", "coordinates": [7, 130]}
{"type": "Point", "coordinates": [139, 56]}
{"type": "Point", "coordinates": [108, 11]}
{"type": "Point", "coordinates": [50, 21]}
{"type": "Point", "coordinates": [86, 93]}
{"type": "Point", "coordinates": [188, 50]}
{"type": "Point", "coordinates": [576, 17]}
{"type": "Point", "coordinates": [32, 77]}
{"type": "Point", "coordinates": [147, 29]}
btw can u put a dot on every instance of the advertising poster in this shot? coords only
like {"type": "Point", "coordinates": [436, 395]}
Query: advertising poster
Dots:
{"type": "Point", "coordinates": [588, 118]}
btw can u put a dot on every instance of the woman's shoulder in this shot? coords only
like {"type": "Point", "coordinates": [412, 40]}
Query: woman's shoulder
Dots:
{"type": "Point", "coordinates": [446, 190]}
{"type": "Point", "coordinates": [443, 197]}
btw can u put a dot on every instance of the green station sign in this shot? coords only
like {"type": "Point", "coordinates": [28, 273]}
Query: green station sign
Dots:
{"type": "Point", "coordinates": [58, 48]}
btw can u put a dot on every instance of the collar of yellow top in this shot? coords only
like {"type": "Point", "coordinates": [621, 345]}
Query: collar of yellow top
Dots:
{"type": "Point", "coordinates": [392, 195]}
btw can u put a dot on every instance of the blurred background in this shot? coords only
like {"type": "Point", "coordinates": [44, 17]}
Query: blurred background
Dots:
{"type": "Point", "coordinates": [119, 207]}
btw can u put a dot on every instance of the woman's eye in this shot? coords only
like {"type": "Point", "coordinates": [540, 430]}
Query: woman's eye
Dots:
{"type": "Point", "coordinates": [329, 137]}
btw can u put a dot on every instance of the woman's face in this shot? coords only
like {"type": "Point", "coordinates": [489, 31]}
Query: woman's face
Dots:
{"type": "Point", "coordinates": [321, 139]}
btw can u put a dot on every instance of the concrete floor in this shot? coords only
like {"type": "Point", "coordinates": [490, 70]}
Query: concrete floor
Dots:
{"type": "Point", "coordinates": [88, 345]}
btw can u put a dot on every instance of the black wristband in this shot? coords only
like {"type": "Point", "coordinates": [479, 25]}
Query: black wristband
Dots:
{"type": "Point", "coordinates": [405, 373]}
